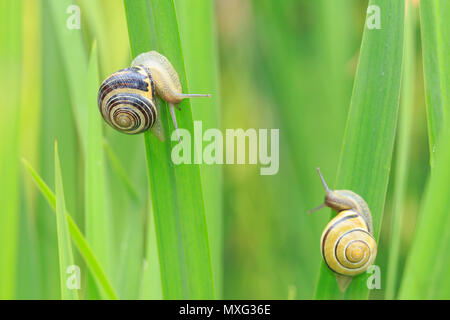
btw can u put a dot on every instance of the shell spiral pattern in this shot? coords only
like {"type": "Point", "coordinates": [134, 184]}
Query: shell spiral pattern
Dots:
{"type": "Point", "coordinates": [348, 248]}
{"type": "Point", "coordinates": [126, 100]}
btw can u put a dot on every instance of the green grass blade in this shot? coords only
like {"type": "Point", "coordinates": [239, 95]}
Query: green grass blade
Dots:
{"type": "Point", "coordinates": [200, 55]}
{"type": "Point", "coordinates": [60, 125]}
{"type": "Point", "coordinates": [77, 237]}
{"type": "Point", "coordinates": [42, 186]}
{"type": "Point", "coordinates": [268, 94]}
{"type": "Point", "coordinates": [435, 35]}
{"type": "Point", "coordinates": [10, 85]}
{"type": "Point", "coordinates": [370, 131]}
{"type": "Point", "coordinates": [176, 190]}
{"type": "Point", "coordinates": [29, 280]}
{"type": "Point", "coordinates": [71, 46]}
{"type": "Point", "coordinates": [120, 171]}
{"type": "Point", "coordinates": [64, 246]}
{"type": "Point", "coordinates": [97, 15]}
{"type": "Point", "coordinates": [97, 222]}
{"type": "Point", "coordinates": [403, 146]}
{"type": "Point", "coordinates": [131, 256]}
{"type": "Point", "coordinates": [30, 111]}
{"type": "Point", "coordinates": [426, 271]}
{"type": "Point", "coordinates": [125, 231]}
{"type": "Point", "coordinates": [151, 272]}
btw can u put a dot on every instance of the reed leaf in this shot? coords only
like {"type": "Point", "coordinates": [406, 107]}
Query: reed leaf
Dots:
{"type": "Point", "coordinates": [370, 131]}
{"type": "Point", "coordinates": [176, 190]}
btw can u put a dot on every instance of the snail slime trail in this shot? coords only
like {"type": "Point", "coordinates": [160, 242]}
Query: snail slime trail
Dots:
{"type": "Point", "coordinates": [251, 147]}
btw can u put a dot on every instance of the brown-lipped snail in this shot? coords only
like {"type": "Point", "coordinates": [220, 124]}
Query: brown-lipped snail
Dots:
{"type": "Point", "coordinates": [347, 244]}
{"type": "Point", "coordinates": [126, 99]}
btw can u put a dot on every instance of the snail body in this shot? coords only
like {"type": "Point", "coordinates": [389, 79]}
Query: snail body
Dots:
{"type": "Point", "coordinates": [347, 245]}
{"type": "Point", "coordinates": [127, 98]}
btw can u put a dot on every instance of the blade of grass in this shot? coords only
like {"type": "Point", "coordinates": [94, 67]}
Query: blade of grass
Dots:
{"type": "Point", "coordinates": [74, 55]}
{"type": "Point", "coordinates": [77, 237]}
{"type": "Point", "coordinates": [94, 171]}
{"type": "Point", "coordinates": [151, 272]}
{"type": "Point", "coordinates": [370, 130]}
{"type": "Point", "coordinates": [10, 84]}
{"type": "Point", "coordinates": [97, 221]}
{"type": "Point", "coordinates": [131, 227]}
{"type": "Point", "coordinates": [64, 245]}
{"type": "Point", "coordinates": [435, 35]}
{"type": "Point", "coordinates": [29, 281]}
{"type": "Point", "coordinates": [30, 120]}
{"type": "Point", "coordinates": [176, 191]}
{"type": "Point", "coordinates": [280, 51]}
{"type": "Point", "coordinates": [426, 271]}
{"type": "Point", "coordinates": [128, 275]}
{"type": "Point", "coordinates": [59, 123]}
{"type": "Point", "coordinates": [200, 55]}
{"type": "Point", "coordinates": [120, 171]}
{"type": "Point", "coordinates": [403, 146]}
{"type": "Point", "coordinates": [126, 229]}
{"type": "Point", "coordinates": [97, 15]}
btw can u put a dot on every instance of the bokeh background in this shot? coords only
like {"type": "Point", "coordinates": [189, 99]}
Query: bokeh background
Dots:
{"type": "Point", "coordinates": [281, 64]}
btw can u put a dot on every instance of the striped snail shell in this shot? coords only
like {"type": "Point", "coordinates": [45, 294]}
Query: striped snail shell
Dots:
{"type": "Point", "coordinates": [347, 243]}
{"type": "Point", "coordinates": [126, 99]}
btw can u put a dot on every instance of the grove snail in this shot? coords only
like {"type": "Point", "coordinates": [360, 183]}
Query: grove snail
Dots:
{"type": "Point", "coordinates": [126, 99]}
{"type": "Point", "coordinates": [347, 243]}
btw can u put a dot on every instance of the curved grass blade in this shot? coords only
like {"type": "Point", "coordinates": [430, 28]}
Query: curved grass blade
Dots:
{"type": "Point", "coordinates": [176, 190]}
{"type": "Point", "coordinates": [370, 131]}
{"type": "Point", "coordinates": [435, 35]}
{"type": "Point", "coordinates": [403, 146]}
{"type": "Point", "coordinates": [64, 246]}
{"type": "Point", "coordinates": [77, 237]}
{"type": "Point", "coordinates": [426, 270]}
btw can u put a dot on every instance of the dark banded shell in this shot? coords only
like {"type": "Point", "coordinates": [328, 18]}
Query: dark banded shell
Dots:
{"type": "Point", "coordinates": [126, 100]}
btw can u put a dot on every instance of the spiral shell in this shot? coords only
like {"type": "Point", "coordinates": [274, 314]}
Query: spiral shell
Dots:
{"type": "Point", "coordinates": [126, 100]}
{"type": "Point", "coordinates": [347, 245]}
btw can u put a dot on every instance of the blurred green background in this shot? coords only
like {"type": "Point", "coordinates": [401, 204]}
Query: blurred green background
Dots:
{"type": "Point", "coordinates": [281, 64]}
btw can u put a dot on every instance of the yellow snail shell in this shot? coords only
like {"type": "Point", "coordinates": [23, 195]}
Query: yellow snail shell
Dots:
{"type": "Point", "coordinates": [347, 244]}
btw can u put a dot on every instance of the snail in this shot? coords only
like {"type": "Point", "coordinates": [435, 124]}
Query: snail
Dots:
{"type": "Point", "coordinates": [126, 98]}
{"type": "Point", "coordinates": [347, 243]}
